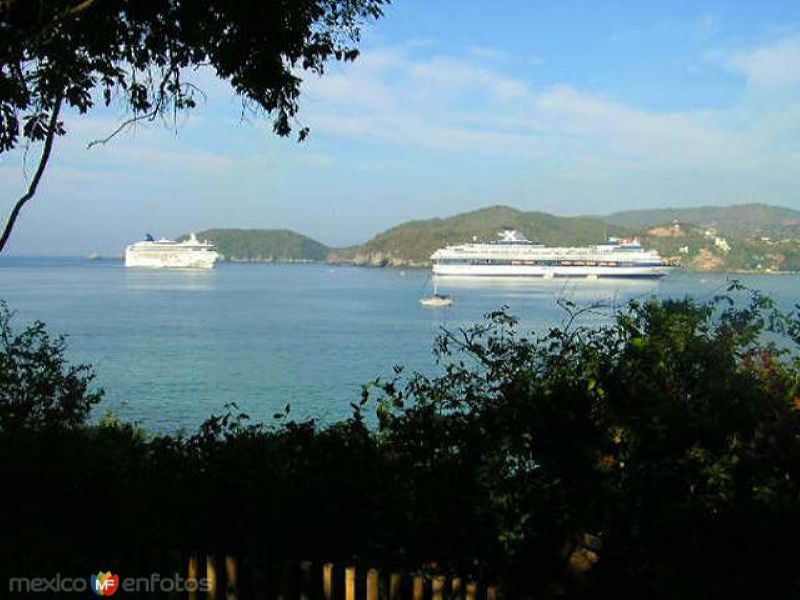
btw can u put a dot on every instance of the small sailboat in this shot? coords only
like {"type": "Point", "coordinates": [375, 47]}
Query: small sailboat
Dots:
{"type": "Point", "coordinates": [437, 300]}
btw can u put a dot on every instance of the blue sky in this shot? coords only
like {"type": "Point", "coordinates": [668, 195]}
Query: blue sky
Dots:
{"type": "Point", "coordinates": [567, 107]}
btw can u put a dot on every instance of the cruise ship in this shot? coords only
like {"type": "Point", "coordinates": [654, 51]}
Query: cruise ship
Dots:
{"type": "Point", "coordinates": [163, 253]}
{"type": "Point", "coordinates": [513, 255]}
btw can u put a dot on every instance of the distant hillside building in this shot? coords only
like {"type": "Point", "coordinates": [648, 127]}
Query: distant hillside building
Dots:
{"type": "Point", "coordinates": [663, 231]}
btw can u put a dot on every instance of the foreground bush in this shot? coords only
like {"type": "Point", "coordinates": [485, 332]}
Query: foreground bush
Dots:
{"type": "Point", "coordinates": [655, 455]}
{"type": "Point", "coordinates": [38, 387]}
{"type": "Point", "coordinates": [658, 454]}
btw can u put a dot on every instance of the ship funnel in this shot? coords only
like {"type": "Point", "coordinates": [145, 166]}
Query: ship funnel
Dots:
{"type": "Point", "coordinates": [512, 235]}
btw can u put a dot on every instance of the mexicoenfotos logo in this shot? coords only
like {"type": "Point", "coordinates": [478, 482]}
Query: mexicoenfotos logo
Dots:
{"type": "Point", "coordinates": [105, 584]}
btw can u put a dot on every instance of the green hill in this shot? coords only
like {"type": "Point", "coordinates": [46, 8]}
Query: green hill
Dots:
{"type": "Point", "coordinates": [412, 243]}
{"type": "Point", "coordinates": [736, 238]}
{"type": "Point", "coordinates": [740, 219]}
{"type": "Point", "coordinates": [744, 237]}
{"type": "Point", "coordinates": [264, 245]}
{"type": "Point", "coordinates": [748, 237]}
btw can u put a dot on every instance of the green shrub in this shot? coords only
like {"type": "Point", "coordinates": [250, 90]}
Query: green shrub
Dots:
{"type": "Point", "coordinates": [654, 456]}
{"type": "Point", "coordinates": [38, 387]}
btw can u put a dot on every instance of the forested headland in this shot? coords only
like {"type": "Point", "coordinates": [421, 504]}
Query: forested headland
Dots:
{"type": "Point", "coordinates": [740, 238]}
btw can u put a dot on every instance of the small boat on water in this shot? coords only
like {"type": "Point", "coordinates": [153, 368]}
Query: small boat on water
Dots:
{"type": "Point", "coordinates": [437, 300]}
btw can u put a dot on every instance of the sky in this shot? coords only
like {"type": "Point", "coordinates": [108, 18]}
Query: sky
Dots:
{"type": "Point", "coordinates": [569, 107]}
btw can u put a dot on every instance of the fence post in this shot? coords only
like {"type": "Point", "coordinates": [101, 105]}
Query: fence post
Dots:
{"type": "Point", "coordinates": [350, 583]}
{"type": "Point", "coordinates": [231, 579]}
{"type": "Point", "coordinates": [419, 588]}
{"type": "Point", "coordinates": [211, 576]}
{"type": "Point", "coordinates": [472, 591]}
{"type": "Point", "coordinates": [287, 583]}
{"type": "Point", "coordinates": [305, 580]}
{"type": "Point", "coordinates": [192, 575]}
{"type": "Point", "coordinates": [395, 580]}
{"type": "Point", "coordinates": [456, 588]}
{"type": "Point", "coordinates": [258, 580]}
{"type": "Point", "coordinates": [327, 581]}
{"type": "Point", "coordinates": [437, 587]}
{"type": "Point", "coordinates": [372, 584]}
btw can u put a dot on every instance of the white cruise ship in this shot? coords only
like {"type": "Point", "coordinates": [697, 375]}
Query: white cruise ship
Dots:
{"type": "Point", "coordinates": [513, 255]}
{"type": "Point", "coordinates": [163, 253]}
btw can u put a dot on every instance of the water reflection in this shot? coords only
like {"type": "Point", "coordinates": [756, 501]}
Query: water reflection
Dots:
{"type": "Point", "coordinates": [577, 290]}
{"type": "Point", "coordinates": [170, 280]}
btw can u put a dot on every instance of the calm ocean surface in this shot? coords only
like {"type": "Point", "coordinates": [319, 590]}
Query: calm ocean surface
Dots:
{"type": "Point", "coordinates": [172, 347]}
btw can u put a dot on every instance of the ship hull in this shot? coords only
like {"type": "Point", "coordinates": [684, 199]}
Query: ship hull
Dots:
{"type": "Point", "coordinates": [546, 272]}
{"type": "Point", "coordinates": [170, 260]}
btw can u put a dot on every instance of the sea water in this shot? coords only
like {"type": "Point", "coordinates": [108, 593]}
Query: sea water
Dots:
{"type": "Point", "coordinates": [171, 348]}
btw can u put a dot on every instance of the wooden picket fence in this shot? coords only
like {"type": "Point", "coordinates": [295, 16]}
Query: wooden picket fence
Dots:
{"type": "Point", "coordinates": [331, 582]}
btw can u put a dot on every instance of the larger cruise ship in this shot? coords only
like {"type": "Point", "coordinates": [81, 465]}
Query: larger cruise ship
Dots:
{"type": "Point", "coordinates": [513, 255]}
{"type": "Point", "coordinates": [163, 253]}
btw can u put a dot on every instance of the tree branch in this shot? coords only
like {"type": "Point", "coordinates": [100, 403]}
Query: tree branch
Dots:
{"type": "Point", "coordinates": [158, 109]}
{"type": "Point", "coordinates": [124, 125]}
{"type": "Point", "coordinates": [52, 126]}
{"type": "Point", "coordinates": [80, 7]}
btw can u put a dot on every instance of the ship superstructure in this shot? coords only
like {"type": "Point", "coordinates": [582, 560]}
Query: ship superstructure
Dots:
{"type": "Point", "coordinates": [163, 253]}
{"type": "Point", "coordinates": [513, 255]}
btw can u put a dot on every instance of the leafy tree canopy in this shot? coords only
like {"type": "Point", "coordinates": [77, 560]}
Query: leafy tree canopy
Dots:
{"type": "Point", "coordinates": [137, 52]}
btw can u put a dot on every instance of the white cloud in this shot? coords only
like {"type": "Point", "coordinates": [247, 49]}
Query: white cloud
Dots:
{"type": "Point", "coordinates": [490, 54]}
{"type": "Point", "coordinates": [770, 66]}
{"type": "Point", "coordinates": [461, 106]}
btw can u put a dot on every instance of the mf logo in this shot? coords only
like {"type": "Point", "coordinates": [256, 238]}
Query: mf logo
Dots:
{"type": "Point", "coordinates": [105, 584]}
